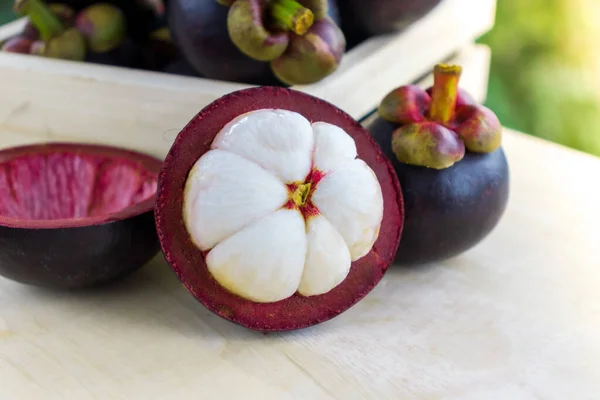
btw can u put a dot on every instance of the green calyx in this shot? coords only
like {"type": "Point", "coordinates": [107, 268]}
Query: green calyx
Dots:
{"type": "Point", "coordinates": [262, 30]}
{"type": "Point", "coordinates": [68, 46]}
{"type": "Point", "coordinates": [428, 145]}
{"type": "Point", "coordinates": [248, 33]}
{"type": "Point", "coordinates": [41, 17]}
{"type": "Point", "coordinates": [312, 57]}
{"type": "Point", "coordinates": [435, 131]}
{"type": "Point", "coordinates": [103, 26]}
{"type": "Point", "coordinates": [56, 40]}
{"type": "Point", "coordinates": [302, 43]}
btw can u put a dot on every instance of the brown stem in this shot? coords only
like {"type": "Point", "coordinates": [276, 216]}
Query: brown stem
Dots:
{"type": "Point", "coordinates": [444, 93]}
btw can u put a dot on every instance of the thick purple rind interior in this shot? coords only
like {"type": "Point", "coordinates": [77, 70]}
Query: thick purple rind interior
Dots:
{"type": "Point", "coordinates": [187, 260]}
{"type": "Point", "coordinates": [75, 253]}
{"type": "Point", "coordinates": [146, 164]}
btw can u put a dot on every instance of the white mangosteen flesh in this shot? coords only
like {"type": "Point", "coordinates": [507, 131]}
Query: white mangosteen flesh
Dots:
{"type": "Point", "coordinates": [281, 206]}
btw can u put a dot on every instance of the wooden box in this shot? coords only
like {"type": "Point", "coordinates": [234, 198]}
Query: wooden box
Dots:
{"type": "Point", "coordinates": [52, 100]}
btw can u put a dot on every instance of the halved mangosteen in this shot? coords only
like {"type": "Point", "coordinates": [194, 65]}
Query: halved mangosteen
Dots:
{"type": "Point", "coordinates": [75, 215]}
{"type": "Point", "coordinates": [277, 210]}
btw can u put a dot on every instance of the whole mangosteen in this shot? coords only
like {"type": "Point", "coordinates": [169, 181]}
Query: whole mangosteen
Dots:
{"type": "Point", "coordinates": [446, 151]}
{"type": "Point", "coordinates": [257, 41]}
{"type": "Point", "coordinates": [277, 210]}
{"type": "Point", "coordinates": [57, 39]}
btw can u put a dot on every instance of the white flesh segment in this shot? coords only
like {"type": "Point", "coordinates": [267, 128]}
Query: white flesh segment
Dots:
{"type": "Point", "coordinates": [333, 147]}
{"type": "Point", "coordinates": [281, 141]}
{"type": "Point", "coordinates": [264, 261]}
{"type": "Point", "coordinates": [224, 193]}
{"type": "Point", "coordinates": [328, 258]}
{"type": "Point", "coordinates": [351, 199]}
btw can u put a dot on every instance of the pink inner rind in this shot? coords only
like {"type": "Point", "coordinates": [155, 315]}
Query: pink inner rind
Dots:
{"type": "Point", "coordinates": [75, 184]}
{"type": "Point", "coordinates": [188, 261]}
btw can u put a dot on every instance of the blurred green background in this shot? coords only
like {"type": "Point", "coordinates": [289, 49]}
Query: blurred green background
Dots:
{"type": "Point", "coordinates": [545, 74]}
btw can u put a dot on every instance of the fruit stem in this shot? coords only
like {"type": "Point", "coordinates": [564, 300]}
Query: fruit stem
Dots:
{"type": "Point", "coordinates": [444, 93]}
{"type": "Point", "coordinates": [300, 194]}
{"type": "Point", "coordinates": [291, 15]}
{"type": "Point", "coordinates": [40, 16]}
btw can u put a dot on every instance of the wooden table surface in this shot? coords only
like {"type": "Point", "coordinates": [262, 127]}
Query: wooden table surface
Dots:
{"type": "Point", "coordinates": [515, 318]}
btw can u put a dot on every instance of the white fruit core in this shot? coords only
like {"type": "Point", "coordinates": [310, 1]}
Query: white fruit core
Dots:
{"type": "Point", "coordinates": [282, 206]}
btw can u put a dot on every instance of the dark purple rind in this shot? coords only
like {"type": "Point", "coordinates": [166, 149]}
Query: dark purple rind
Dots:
{"type": "Point", "coordinates": [128, 55]}
{"type": "Point", "coordinates": [311, 57]}
{"type": "Point", "coordinates": [330, 33]}
{"type": "Point", "coordinates": [87, 252]}
{"type": "Point", "coordinates": [376, 17]}
{"type": "Point", "coordinates": [17, 44]}
{"type": "Point", "coordinates": [80, 257]}
{"type": "Point", "coordinates": [447, 211]}
{"type": "Point", "coordinates": [199, 28]}
{"type": "Point", "coordinates": [187, 260]}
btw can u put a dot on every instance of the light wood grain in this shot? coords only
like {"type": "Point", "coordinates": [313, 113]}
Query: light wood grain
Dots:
{"type": "Point", "coordinates": [12, 28]}
{"type": "Point", "coordinates": [365, 75]}
{"type": "Point", "coordinates": [132, 109]}
{"type": "Point", "coordinates": [516, 317]}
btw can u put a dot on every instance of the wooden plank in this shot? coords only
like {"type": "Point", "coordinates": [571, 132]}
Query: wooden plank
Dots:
{"type": "Point", "coordinates": [363, 78]}
{"type": "Point", "coordinates": [516, 317]}
{"type": "Point", "coordinates": [12, 28]}
{"type": "Point", "coordinates": [132, 109]}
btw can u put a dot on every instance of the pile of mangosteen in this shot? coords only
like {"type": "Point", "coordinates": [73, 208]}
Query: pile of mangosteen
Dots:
{"type": "Point", "coordinates": [266, 42]}
{"type": "Point", "coordinates": [275, 209]}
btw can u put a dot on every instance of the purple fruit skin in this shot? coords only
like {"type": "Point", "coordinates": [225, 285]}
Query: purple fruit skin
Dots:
{"type": "Point", "coordinates": [76, 258]}
{"type": "Point", "coordinates": [199, 28]}
{"type": "Point", "coordinates": [376, 17]}
{"type": "Point", "coordinates": [447, 211]}
{"type": "Point", "coordinates": [17, 44]}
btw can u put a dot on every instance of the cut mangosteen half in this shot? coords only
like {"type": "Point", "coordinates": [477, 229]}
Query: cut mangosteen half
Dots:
{"type": "Point", "coordinates": [75, 215]}
{"type": "Point", "coordinates": [277, 210]}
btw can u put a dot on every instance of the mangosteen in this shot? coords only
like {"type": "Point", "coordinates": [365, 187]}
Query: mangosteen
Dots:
{"type": "Point", "coordinates": [105, 30]}
{"type": "Point", "coordinates": [301, 42]}
{"type": "Point", "coordinates": [200, 30]}
{"type": "Point", "coordinates": [180, 67]}
{"type": "Point", "coordinates": [75, 215]}
{"type": "Point", "coordinates": [103, 26]}
{"type": "Point", "coordinates": [127, 54]}
{"type": "Point", "coordinates": [63, 12]}
{"type": "Point", "coordinates": [376, 17]}
{"type": "Point", "coordinates": [56, 39]}
{"type": "Point", "coordinates": [277, 210]}
{"type": "Point", "coordinates": [140, 15]}
{"type": "Point", "coordinates": [158, 50]}
{"type": "Point", "coordinates": [17, 44]}
{"type": "Point", "coordinates": [447, 153]}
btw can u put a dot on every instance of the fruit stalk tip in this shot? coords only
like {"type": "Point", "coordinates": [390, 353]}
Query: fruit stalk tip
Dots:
{"type": "Point", "coordinates": [291, 15]}
{"type": "Point", "coordinates": [40, 16]}
{"type": "Point", "coordinates": [444, 93]}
